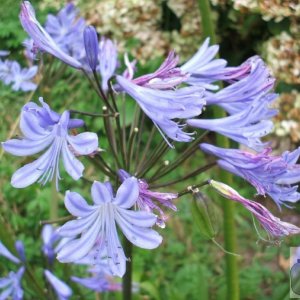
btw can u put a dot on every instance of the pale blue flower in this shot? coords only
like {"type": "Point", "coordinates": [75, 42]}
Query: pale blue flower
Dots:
{"type": "Point", "coordinates": [235, 97]}
{"type": "Point", "coordinates": [95, 230]}
{"type": "Point", "coordinates": [245, 127]}
{"type": "Point", "coordinates": [42, 38]}
{"type": "Point", "coordinates": [162, 106]}
{"type": "Point", "coordinates": [270, 174]}
{"type": "Point", "coordinates": [204, 69]}
{"type": "Point", "coordinates": [66, 29]}
{"type": "Point", "coordinates": [44, 129]}
{"type": "Point", "coordinates": [21, 79]}
{"type": "Point", "coordinates": [11, 285]}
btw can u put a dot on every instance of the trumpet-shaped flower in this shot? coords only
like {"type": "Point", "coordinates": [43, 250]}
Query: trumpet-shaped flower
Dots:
{"type": "Point", "coordinates": [62, 290]}
{"type": "Point", "coordinates": [245, 127]}
{"type": "Point", "coordinates": [269, 174]}
{"type": "Point", "coordinates": [96, 225]}
{"type": "Point", "coordinates": [44, 129]}
{"type": "Point", "coordinates": [11, 285]}
{"type": "Point", "coordinates": [42, 38]}
{"type": "Point", "coordinates": [148, 200]}
{"type": "Point", "coordinates": [273, 225]}
{"type": "Point", "coordinates": [204, 69]}
{"type": "Point", "coordinates": [164, 106]}
{"type": "Point", "coordinates": [166, 77]}
{"type": "Point", "coordinates": [235, 97]}
{"type": "Point", "coordinates": [108, 59]}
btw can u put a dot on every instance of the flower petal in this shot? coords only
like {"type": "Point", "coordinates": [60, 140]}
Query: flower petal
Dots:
{"type": "Point", "coordinates": [84, 143]}
{"type": "Point", "coordinates": [76, 205]}
{"type": "Point", "coordinates": [100, 193]}
{"type": "Point", "coordinates": [128, 193]}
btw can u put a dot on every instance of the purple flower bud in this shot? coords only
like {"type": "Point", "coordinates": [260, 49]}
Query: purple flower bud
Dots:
{"type": "Point", "coordinates": [91, 46]}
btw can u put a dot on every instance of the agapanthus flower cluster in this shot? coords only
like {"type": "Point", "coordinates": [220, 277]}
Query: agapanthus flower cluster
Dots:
{"type": "Point", "coordinates": [172, 98]}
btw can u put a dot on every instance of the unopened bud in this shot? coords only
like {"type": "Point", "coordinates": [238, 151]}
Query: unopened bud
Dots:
{"type": "Point", "coordinates": [91, 46]}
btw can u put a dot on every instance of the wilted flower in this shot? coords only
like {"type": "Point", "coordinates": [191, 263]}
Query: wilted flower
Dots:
{"type": "Point", "coordinates": [45, 129]}
{"type": "Point", "coordinates": [147, 199]}
{"type": "Point", "coordinates": [41, 37]}
{"type": "Point", "coordinates": [273, 225]}
{"type": "Point", "coordinates": [245, 127]}
{"type": "Point", "coordinates": [11, 285]}
{"type": "Point", "coordinates": [97, 225]}
{"type": "Point", "coordinates": [269, 174]}
{"type": "Point", "coordinates": [62, 290]}
{"type": "Point", "coordinates": [108, 59]}
{"type": "Point", "coordinates": [163, 106]}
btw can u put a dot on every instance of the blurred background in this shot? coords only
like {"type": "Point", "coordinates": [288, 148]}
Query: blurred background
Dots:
{"type": "Point", "coordinates": [186, 266]}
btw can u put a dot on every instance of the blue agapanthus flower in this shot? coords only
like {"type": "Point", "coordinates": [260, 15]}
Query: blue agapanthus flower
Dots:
{"type": "Point", "coordinates": [20, 79]}
{"type": "Point", "coordinates": [95, 230]}
{"type": "Point", "coordinates": [204, 69]}
{"type": "Point", "coordinates": [245, 127]}
{"type": "Point", "coordinates": [44, 129]}
{"type": "Point", "coordinates": [62, 290]}
{"type": "Point", "coordinates": [44, 41]}
{"type": "Point", "coordinates": [270, 174]}
{"type": "Point", "coordinates": [235, 97]}
{"type": "Point", "coordinates": [11, 285]}
{"type": "Point", "coordinates": [162, 106]}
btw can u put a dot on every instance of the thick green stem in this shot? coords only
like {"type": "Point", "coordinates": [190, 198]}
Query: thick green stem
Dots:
{"type": "Point", "coordinates": [127, 279]}
{"type": "Point", "coordinates": [232, 275]}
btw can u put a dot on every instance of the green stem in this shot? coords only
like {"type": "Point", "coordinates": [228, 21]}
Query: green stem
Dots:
{"type": "Point", "coordinates": [54, 201]}
{"type": "Point", "coordinates": [127, 279]}
{"type": "Point", "coordinates": [230, 240]}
